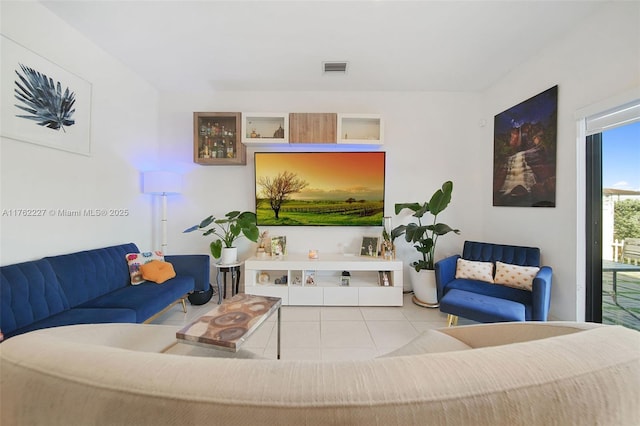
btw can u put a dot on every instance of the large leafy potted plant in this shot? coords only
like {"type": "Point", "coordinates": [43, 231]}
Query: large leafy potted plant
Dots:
{"type": "Point", "coordinates": [234, 225]}
{"type": "Point", "coordinates": [424, 237]}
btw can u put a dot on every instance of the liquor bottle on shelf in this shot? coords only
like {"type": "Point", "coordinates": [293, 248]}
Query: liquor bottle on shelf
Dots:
{"type": "Point", "coordinates": [220, 149]}
{"type": "Point", "coordinates": [208, 128]}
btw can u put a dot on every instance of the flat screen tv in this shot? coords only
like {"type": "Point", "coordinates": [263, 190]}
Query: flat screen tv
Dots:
{"type": "Point", "coordinates": [320, 188]}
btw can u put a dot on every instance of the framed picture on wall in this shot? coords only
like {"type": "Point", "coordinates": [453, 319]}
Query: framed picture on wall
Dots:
{"type": "Point", "coordinates": [43, 103]}
{"type": "Point", "coordinates": [524, 152]}
{"type": "Point", "coordinates": [319, 188]}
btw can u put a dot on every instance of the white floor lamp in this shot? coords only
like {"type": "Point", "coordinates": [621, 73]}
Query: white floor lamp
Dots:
{"type": "Point", "coordinates": [162, 183]}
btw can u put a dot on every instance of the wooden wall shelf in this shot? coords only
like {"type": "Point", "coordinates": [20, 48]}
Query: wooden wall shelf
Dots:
{"type": "Point", "coordinates": [216, 139]}
{"type": "Point", "coordinates": [312, 127]}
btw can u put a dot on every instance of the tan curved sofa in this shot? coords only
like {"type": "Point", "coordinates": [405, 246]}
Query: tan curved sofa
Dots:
{"type": "Point", "coordinates": [495, 374]}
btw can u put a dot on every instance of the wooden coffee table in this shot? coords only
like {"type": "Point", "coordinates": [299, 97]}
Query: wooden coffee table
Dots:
{"type": "Point", "coordinates": [230, 324]}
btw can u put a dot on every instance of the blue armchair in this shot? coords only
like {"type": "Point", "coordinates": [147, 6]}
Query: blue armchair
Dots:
{"type": "Point", "coordinates": [486, 302]}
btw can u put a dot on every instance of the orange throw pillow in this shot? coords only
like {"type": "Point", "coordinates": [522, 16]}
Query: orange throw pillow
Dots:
{"type": "Point", "coordinates": [157, 271]}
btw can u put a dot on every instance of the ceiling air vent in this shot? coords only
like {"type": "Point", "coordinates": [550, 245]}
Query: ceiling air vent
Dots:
{"type": "Point", "coordinates": [334, 67]}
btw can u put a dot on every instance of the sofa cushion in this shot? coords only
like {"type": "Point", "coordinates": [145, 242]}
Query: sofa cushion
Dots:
{"type": "Point", "coordinates": [196, 265]}
{"type": "Point", "coordinates": [481, 308]}
{"type": "Point", "coordinates": [500, 291]}
{"type": "Point", "coordinates": [489, 252]}
{"type": "Point", "coordinates": [481, 271]}
{"type": "Point", "coordinates": [146, 299]}
{"type": "Point", "coordinates": [515, 276]}
{"type": "Point", "coordinates": [30, 292]}
{"type": "Point", "coordinates": [136, 260]}
{"type": "Point", "coordinates": [88, 274]}
{"type": "Point", "coordinates": [157, 271]}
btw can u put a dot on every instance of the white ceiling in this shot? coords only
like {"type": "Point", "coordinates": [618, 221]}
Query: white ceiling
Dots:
{"type": "Point", "coordinates": [280, 45]}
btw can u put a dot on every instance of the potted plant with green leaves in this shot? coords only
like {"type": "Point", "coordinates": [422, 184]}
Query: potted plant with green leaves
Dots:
{"type": "Point", "coordinates": [424, 237]}
{"type": "Point", "coordinates": [234, 225]}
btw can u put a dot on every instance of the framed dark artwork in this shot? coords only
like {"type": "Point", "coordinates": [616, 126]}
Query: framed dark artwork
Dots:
{"type": "Point", "coordinates": [319, 188]}
{"type": "Point", "coordinates": [369, 246]}
{"type": "Point", "coordinates": [524, 152]}
{"type": "Point", "coordinates": [43, 103]}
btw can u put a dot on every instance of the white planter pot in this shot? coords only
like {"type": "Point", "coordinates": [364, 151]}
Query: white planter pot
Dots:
{"type": "Point", "coordinates": [425, 292]}
{"type": "Point", "coordinates": [229, 255]}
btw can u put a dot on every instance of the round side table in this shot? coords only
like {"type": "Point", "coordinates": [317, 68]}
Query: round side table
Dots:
{"type": "Point", "coordinates": [234, 269]}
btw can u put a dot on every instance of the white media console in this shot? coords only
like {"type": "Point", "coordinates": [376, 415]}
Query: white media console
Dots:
{"type": "Point", "coordinates": [298, 280]}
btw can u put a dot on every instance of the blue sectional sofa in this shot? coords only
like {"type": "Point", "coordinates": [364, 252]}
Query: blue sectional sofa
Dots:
{"type": "Point", "coordinates": [485, 302]}
{"type": "Point", "coordinates": [91, 286]}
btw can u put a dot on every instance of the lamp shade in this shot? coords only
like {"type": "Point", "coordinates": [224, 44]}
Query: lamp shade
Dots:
{"type": "Point", "coordinates": [157, 182]}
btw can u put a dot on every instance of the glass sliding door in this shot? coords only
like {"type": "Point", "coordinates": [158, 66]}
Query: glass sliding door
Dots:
{"type": "Point", "coordinates": [613, 225]}
{"type": "Point", "coordinates": [621, 225]}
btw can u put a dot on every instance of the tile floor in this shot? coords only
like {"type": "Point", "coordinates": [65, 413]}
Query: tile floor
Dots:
{"type": "Point", "coordinates": [330, 332]}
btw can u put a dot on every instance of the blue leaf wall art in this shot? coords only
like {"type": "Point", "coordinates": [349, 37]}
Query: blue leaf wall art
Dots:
{"type": "Point", "coordinates": [43, 100]}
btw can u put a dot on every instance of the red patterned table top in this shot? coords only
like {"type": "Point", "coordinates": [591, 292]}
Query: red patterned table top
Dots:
{"type": "Point", "coordinates": [230, 324]}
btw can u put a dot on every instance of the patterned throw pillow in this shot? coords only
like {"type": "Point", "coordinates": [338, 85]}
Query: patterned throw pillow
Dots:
{"type": "Point", "coordinates": [482, 271]}
{"type": "Point", "coordinates": [157, 271]}
{"type": "Point", "coordinates": [135, 260]}
{"type": "Point", "coordinates": [516, 276]}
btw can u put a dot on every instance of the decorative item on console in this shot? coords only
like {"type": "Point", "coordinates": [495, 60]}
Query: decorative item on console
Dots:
{"type": "Point", "coordinates": [385, 278]}
{"type": "Point", "coordinates": [228, 230]}
{"type": "Point", "coordinates": [281, 280]}
{"type": "Point", "coordinates": [263, 278]}
{"type": "Point", "coordinates": [296, 279]}
{"type": "Point", "coordinates": [279, 246]}
{"type": "Point", "coordinates": [388, 248]}
{"type": "Point", "coordinates": [345, 278]}
{"type": "Point", "coordinates": [369, 246]}
{"type": "Point", "coordinates": [424, 238]}
{"type": "Point", "coordinates": [261, 251]}
{"type": "Point", "coordinates": [309, 278]}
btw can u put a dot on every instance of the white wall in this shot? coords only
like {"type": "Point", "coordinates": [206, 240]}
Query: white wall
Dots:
{"type": "Point", "coordinates": [595, 62]}
{"type": "Point", "coordinates": [429, 138]}
{"type": "Point", "coordinates": [432, 137]}
{"type": "Point", "coordinates": [123, 142]}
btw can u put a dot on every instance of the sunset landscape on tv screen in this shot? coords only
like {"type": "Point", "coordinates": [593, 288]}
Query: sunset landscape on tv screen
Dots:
{"type": "Point", "coordinates": [320, 188]}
